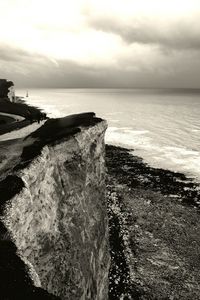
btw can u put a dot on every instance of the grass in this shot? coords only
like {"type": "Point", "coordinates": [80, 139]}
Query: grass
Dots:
{"type": "Point", "coordinates": [4, 120]}
{"type": "Point", "coordinates": [19, 108]}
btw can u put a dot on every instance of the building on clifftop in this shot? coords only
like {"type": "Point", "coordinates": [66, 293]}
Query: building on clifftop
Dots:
{"type": "Point", "coordinates": [7, 90]}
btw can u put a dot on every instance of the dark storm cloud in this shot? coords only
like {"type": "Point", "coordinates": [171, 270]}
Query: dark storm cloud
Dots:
{"type": "Point", "coordinates": [180, 33]}
{"type": "Point", "coordinates": [72, 75]}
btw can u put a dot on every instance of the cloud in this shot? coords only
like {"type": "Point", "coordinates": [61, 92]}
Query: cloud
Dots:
{"type": "Point", "coordinates": [12, 54]}
{"type": "Point", "coordinates": [176, 33]}
{"type": "Point", "coordinates": [107, 43]}
{"type": "Point", "coordinates": [130, 71]}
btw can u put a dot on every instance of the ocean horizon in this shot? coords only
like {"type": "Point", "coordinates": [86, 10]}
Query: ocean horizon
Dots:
{"type": "Point", "coordinates": [161, 125]}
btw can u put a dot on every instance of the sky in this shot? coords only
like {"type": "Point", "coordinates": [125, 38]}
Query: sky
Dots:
{"type": "Point", "coordinates": [100, 43]}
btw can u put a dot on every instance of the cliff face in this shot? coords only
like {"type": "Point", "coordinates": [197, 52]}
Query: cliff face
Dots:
{"type": "Point", "coordinates": [11, 93]}
{"type": "Point", "coordinates": [58, 218]}
{"type": "Point", "coordinates": [7, 90]}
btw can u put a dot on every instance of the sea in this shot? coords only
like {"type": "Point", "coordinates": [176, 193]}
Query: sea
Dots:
{"type": "Point", "coordinates": [161, 125]}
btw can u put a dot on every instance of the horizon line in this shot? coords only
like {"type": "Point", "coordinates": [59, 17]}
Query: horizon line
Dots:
{"type": "Point", "coordinates": [99, 88]}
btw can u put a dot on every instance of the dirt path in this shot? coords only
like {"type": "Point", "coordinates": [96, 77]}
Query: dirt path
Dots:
{"type": "Point", "coordinates": [21, 133]}
{"type": "Point", "coordinates": [17, 118]}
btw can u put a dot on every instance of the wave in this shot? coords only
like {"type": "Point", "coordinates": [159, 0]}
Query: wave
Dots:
{"type": "Point", "coordinates": [178, 159]}
{"type": "Point", "coordinates": [125, 136]}
{"type": "Point", "coordinates": [168, 122]}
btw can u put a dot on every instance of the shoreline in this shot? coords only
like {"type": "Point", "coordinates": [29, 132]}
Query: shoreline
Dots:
{"type": "Point", "coordinates": [131, 170]}
{"type": "Point", "coordinates": [154, 221]}
{"type": "Point", "coordinates": [153, 226]}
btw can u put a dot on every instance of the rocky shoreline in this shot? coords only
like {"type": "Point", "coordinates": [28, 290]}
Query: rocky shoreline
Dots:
{"type": "Point", "coordinates": [154, 230]}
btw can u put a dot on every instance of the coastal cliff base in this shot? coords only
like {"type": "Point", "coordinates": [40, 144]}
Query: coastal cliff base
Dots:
{"type": "Point", "coordinates": [154, 230]}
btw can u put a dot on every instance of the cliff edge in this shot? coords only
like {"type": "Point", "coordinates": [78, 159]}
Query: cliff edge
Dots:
{"type": "Point", "coordinates": [53, 214]}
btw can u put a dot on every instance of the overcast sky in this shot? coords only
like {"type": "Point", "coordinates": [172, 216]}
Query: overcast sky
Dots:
{"type": "Point", "coordinates": [100, 43]}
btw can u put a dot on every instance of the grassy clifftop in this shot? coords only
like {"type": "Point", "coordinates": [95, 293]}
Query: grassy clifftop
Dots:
{"type": "Point", "coordinates": [19, 108]}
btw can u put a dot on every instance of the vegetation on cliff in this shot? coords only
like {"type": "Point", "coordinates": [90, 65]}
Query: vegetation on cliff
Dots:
{"type": "Point", "coordinates": [27, 114]}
